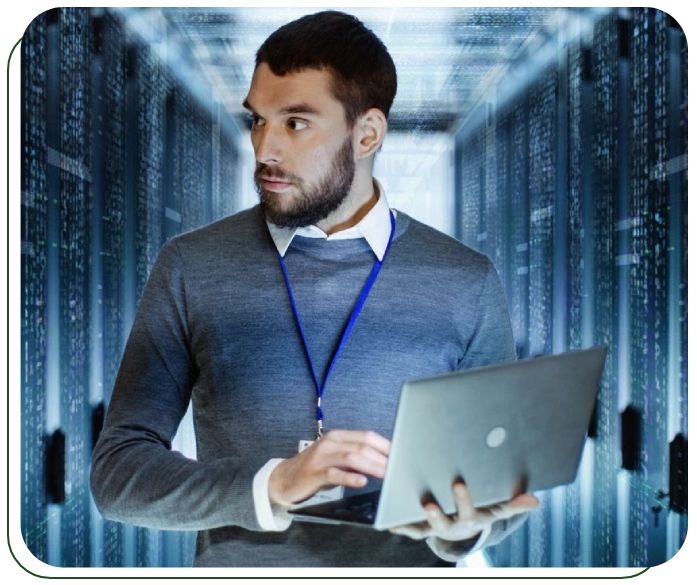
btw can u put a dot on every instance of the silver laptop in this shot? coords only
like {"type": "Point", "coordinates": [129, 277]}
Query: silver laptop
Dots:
{"type": "Point", "coordinates": [505, 429]}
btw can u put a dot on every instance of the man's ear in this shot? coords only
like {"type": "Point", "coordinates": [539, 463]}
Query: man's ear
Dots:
{"type": "Point", "coordinates": [371, 128]}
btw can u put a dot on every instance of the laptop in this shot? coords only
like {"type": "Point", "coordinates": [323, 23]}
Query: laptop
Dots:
{"type": "Point", "coordinates": [505, 429]}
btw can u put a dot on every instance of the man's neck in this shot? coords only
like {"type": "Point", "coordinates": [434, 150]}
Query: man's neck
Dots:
{"type": "Point", "coordinates": [349, 215]}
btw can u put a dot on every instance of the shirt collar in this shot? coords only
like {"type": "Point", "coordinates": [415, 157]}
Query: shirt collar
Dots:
{"type": "Point", "coordinates": [375, 227]}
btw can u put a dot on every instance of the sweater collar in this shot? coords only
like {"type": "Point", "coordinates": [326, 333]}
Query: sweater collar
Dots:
{"type": "Point", "coordinates": [374, 227]}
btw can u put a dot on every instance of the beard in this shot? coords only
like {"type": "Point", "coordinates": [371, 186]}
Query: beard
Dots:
{"type": "Point", "coordinates": [314, 202]}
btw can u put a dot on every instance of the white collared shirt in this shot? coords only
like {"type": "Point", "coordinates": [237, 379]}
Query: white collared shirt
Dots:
{"type": "Point", "coordinates": [374, 227]}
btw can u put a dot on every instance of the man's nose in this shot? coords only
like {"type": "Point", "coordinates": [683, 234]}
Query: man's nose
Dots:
{"type": "Point", "coordinates": [270, 147]}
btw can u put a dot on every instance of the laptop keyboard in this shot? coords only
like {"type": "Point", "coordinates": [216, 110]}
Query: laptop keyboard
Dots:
{"type": "Point", "coordinates": [359, 508]}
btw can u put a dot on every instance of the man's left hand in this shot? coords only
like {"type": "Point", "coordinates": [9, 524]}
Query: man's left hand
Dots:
{"type": "Point", "coordinates": [468, 521]}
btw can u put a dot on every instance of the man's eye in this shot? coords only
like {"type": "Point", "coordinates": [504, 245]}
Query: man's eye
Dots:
{"type": "Point", "coordinates": [296, 122]}
{"type": "Point", "coordinates": [254, 118]}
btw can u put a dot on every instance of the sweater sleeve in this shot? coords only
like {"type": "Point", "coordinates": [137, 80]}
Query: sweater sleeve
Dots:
{"type": "Point", "coordinates": [492, 342]}
{"type": "Point", "coordinates": [453, 551]}
{"type": "Point", "coordinates": [136, 477]}
{"type": "Point", "coordinates": [456, 550]}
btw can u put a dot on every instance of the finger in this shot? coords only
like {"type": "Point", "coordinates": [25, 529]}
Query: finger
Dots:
{"type": "Point", "coordinates": [416, 531]}
{"type": "Point", "coordinates": [371, 438]}
{"type": "Point", "coordinates": [438, 521]}
{"type": "Point", "coordinates": [525, 501]}
{"type": "Point", "coordinates": [518, 505]}
{"type": "Point", "coordinates": [463, 501]}
{"type": "Point", "coordinates": [362, 459]}
{"type": "Point", "coordinates": [367, 451]}
{"type": "Point", "coordinates": [335, 476]}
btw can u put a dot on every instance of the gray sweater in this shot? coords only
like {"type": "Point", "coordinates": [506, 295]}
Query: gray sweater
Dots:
{"type": "Point", "coordinates": [214, 326]}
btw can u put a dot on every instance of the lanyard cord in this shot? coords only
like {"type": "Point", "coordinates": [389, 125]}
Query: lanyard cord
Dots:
{"type": "Point", "coordinates": [347, 330]}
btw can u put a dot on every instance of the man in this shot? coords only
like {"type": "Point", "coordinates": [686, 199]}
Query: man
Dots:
{"type": "Point", "coordinates": [256, 318]}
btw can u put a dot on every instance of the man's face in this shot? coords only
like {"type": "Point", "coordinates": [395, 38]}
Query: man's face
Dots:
{"type": "Point", "coordinates": [301, 142]}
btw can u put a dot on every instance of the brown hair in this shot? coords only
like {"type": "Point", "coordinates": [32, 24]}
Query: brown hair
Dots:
{"type": "Point", "coordinates": [363, 73]}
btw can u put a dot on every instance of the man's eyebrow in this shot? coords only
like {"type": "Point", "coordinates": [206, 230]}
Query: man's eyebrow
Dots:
{"type": "Point", "coordinates": [301, 108]}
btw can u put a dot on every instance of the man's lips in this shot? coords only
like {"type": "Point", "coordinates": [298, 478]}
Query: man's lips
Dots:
{"type": "Point", "coordinates": [274, 184]}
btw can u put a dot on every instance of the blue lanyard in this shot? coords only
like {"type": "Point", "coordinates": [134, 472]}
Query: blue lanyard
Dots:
{"type": "Point", "coordinates": [347, 330]}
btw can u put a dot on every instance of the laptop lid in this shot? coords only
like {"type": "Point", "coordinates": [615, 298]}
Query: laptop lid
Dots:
{"type": "Point", "coordinates": [505, 429]}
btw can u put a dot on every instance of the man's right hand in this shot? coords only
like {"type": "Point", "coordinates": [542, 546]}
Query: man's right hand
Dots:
{"type": "Point", "coordinates": [338, 458]}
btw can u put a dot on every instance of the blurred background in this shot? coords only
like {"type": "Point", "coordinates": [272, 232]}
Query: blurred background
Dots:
{"type": "Point", "coordinates": [553, 140]}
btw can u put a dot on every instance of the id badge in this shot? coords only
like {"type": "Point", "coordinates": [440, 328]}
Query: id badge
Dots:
{"type": "Point", "coordinates": [322, 496]}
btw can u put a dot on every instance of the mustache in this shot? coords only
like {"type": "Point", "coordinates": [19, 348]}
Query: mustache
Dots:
{"type": "Point", "coordinates": [268, 174]}
{"type": "Point", "coordinates": [271, 178]}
